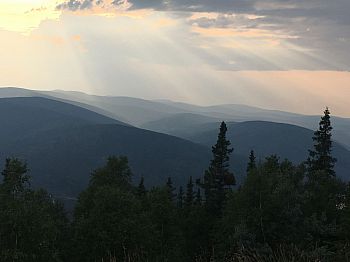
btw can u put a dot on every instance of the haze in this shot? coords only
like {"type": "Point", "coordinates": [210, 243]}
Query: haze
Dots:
{"type": "Point", "coordinates": [287, 55]}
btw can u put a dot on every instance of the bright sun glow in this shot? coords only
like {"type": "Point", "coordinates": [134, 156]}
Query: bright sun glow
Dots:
{"type": "Point", "coordinates": [23, 16]}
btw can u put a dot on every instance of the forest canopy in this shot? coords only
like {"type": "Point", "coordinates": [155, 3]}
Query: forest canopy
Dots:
{"type": "Point", "coordinates": [281, 212]}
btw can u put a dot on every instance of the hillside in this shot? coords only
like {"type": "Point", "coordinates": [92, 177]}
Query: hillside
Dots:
{"type": "Point", "coordinates": [64, 143]}
{"type": "Point", "coordinates": [151, 114]}
{"type": "Point", "coordinates": [182, 125]}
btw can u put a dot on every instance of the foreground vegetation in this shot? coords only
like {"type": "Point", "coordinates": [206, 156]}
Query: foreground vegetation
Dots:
{"type": "Point", "coordinates": [282, 212]}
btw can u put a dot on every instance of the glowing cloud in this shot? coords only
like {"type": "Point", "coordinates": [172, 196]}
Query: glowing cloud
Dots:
{"type": "Point", "coordinates": [23, 16]}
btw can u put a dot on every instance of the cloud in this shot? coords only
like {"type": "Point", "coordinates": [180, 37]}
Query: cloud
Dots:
{"type": "Point", "coordinates": [163, 56]}
{"type": "Point", "coordinates": [167, 5]}
{"type": "Point", "coordinates": [318, 30]}
{"type": "Point", "coordinates": [75, 5]}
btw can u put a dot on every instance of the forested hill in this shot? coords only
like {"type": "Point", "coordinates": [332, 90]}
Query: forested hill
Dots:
{"type": "Point", "coordinates": [162, 114]}
{"type": "Point", "coordinates": [63, 143]}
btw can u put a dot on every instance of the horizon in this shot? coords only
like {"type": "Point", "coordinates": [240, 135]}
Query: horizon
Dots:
{"type": "Point", "coordinates": [160, 100]}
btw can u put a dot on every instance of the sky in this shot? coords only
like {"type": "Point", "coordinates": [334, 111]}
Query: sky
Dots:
{"type": "Point", "coordinates": [289, 55]}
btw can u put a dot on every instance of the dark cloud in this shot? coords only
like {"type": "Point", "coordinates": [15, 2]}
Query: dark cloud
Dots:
{"type": "Point", "coordinates": [75, 5]}
{"type": "Point", "coordinates": [337, 10]}
{"type": "Point", "coordinates": [153, 4]}
{"type": "Point", "coordinates": [238, 21]}
{"type": "Point", "coordinates": [168, 5]}
{"type": "Point", "coordinates": [194, 5]}
{"type": "Point", "coordinates": [320, 26]}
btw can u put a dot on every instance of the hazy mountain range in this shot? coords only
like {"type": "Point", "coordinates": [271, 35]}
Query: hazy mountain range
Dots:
{"type": "Point", "coordinates": [140, 112]}
{"type": "Point", "coordinates": [65, 135]}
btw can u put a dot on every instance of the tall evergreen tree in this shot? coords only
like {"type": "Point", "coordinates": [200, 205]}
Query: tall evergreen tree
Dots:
{"type": "Point", "coordinates": [171, 189]}
{"type": "Point", "coordinates": [251, 164]}
{"type": "Point", "coordinates": [189, 193]}
{"type": "Point", "coordinates": [323, 191]}
{"type": "Point", "coordinates": [218, 177]}
{"type": "Point", "coordinates": [320, 159]}
{"type": "Point", "coordinates": [198, 200]}
{"type": "Point", "coordinates": [180, 198]}
{"type": "Point", "coordinates": [141, 190]}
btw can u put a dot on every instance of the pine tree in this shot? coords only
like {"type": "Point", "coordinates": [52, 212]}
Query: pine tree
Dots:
{"type": "Point", "coordinates": [251, 164]}
{"type": "Point", "coordinates": [189, 193]}
{"type": "Point", "coordinates": [320, 159]}
{"type": "Point", "coordinates": [171, 189]}
{"type": "Point", "coordinates": [180, 198]}
{"type": "Point", "coordinates": [141, 190]}
{"type": "Point", "coordinates": [217, 177]}
{"type": "Point", "coordinates": [198, 200]}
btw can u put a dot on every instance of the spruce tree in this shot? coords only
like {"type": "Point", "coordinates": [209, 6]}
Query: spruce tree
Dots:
{"type": "Point", "coordinates": [189, 193]}
{"type": "Point", "coordinates": [217, 177]}
{"type": "Point", "coordinates": [198, 200]}
{"type": "Point", "coordinates": [141, 190]}
{"type": "Point", "coordinates": [180, 198]}
{"type": "Point", "coordinates": [251, 164]}
{"type": "Point", "coordinates": [320, 159]}
{"type": "Point", "coordinates": [171, 189]}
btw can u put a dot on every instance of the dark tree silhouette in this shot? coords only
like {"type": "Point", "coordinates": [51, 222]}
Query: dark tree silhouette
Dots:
{"type": "Point", "coordinates": [217, 177]}
{"type": "Point", "coordinates": [320, 159]}
{"type": "Point", "coordinates": [251, 164]}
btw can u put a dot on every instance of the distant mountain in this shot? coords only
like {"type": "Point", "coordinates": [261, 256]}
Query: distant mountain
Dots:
{"type": "Point", "coordinates": [183, 125]}
{"type": "Point", "coordinates": [241, 113]}
{"type": "Point", "coordinates": [64, 143]}
{"type": "Point", "coordinates": [17, 92]}
{"type": "Point", "coordinates": [134, 111]}
{"type": "Point", "coordinates": [20, 92]}
{"type": "Point", "coordinates": [266, 138]}
{"type": "Point", "coordinates": [142, 113]}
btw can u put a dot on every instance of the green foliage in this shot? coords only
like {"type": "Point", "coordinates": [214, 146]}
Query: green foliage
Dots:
{"type": "Point", "coordinates": [320, 158]}
{"type": "Point", "coordinates": [251, 164]}
{"type": "Point", "coordinates": [218, 177]}
{"type": "Point", "coordinates": [164, 217]}
{"type": "Point", "coordinates": [15, 177]}
{"type": "Point", "coordinates": [141, 190]}
{"type": "Point", "coordinates": [180, 198]}
{"type": "Point", "coordinates": [171, 189]}
{"type": "Point", "coordinates": [33, 225]}
{"type": "Point", "coordinates": [282, 212]}
{"type": "Point", "coordinates": [266, 209]}
{"type": "Point", "coordinates": [116, 173]}
{"type": "Point", "coordinates": [190, 195]}
{"type": "Point", "coordinates": [109, 219]}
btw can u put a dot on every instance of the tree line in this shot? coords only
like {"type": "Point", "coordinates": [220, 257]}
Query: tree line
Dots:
{"type": "Point", "coordinates": [281, 212]}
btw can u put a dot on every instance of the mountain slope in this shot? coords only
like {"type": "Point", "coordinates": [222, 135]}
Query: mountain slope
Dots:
{"type": "Point", "coordinates": [64, 143]}
{"type": "Point", "coordinates": [134, 111]}
{"type": "Point", "coordinates": [140, 112]}
{"type": "Point", "coordinates": [182, 125]}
